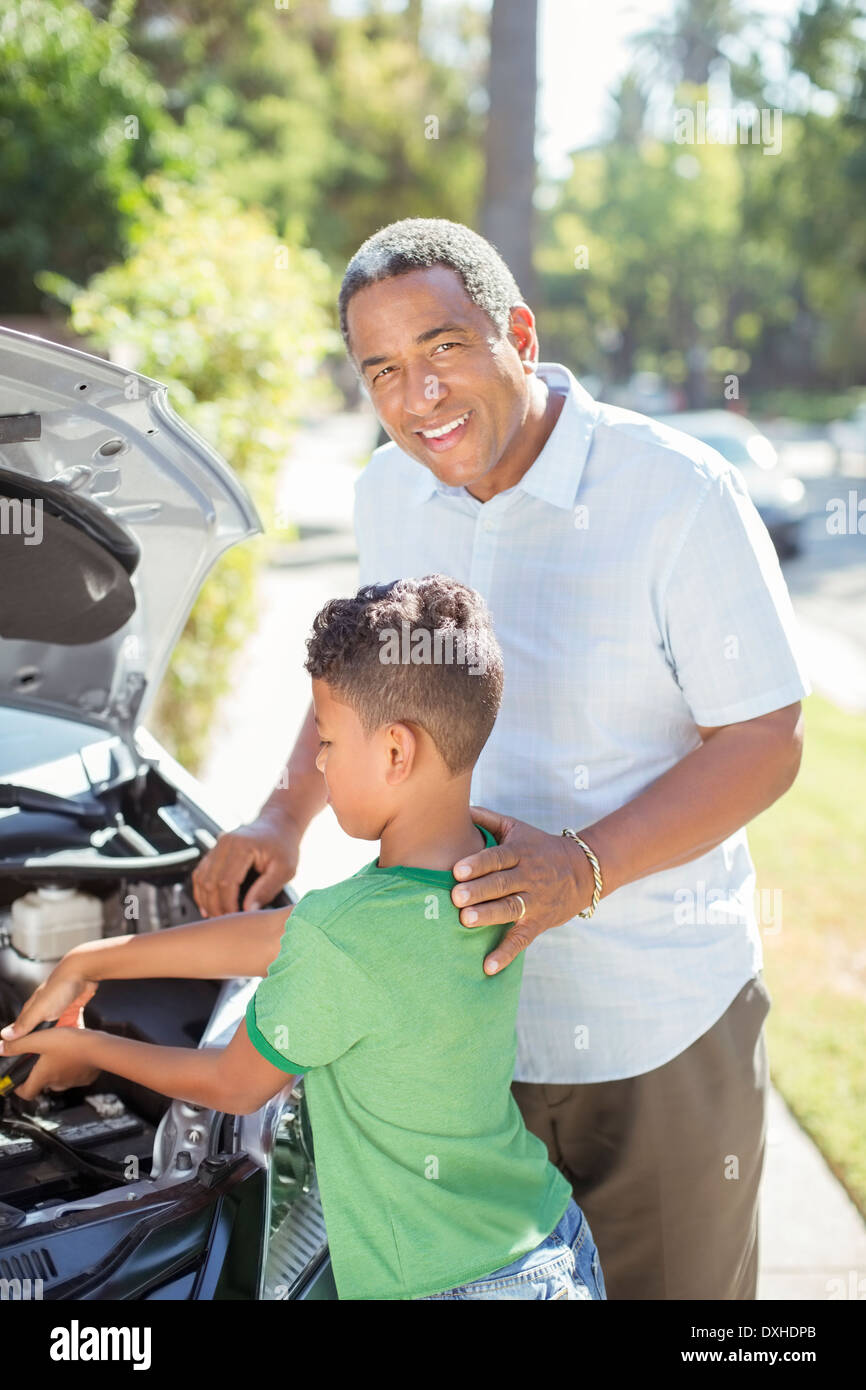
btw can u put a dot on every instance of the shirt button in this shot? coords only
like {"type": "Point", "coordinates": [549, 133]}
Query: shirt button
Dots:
{"type": "Point", "coordinates": [488, 524]}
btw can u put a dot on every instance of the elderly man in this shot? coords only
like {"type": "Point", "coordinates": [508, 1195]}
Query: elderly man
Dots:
{"type": "Point", "coordinates": [651, 709]}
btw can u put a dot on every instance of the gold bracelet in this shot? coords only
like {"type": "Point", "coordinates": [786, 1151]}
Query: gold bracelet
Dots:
{"type": "Point", "coordinates": [596, 874]}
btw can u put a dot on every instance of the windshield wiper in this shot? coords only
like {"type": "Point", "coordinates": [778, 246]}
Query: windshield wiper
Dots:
{"type": "Point", "coordinates": [90, 813]}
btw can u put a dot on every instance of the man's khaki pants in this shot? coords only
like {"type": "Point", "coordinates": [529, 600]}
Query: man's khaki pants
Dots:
{"type": "Point", "coordinates": [667, 1165]}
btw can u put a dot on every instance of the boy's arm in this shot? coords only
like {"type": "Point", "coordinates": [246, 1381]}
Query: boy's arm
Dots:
{"type": "Point", "coordinates": [221, 948]}
{"type": "Point", "coordinates": [241, 944]}
{"type": "Point", "coordinates": [235, 1079]}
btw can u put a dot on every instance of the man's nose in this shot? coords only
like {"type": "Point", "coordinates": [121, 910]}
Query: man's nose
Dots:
{"type": "Point", "coordinates": [422, 392]}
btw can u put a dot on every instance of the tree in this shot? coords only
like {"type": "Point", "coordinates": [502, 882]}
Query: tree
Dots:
{"type": "Point", "coordinates": [631, 100]}
{"type": "Point", "coordinates": [717, 252]}
{"type": "Point", "coordinates": [822, 41]}
{"type": "Point", "coordinates": [414, 19]}
{"type": "Point", "coordinates": [507, 213]}
{"type": "Point", "coordinates": [235, 323]}
{"type": "Point", "coordinates": [339, 120]}
{"type": "Point", "coordinates": [81, 122]}
{"type": "Point", "coordinates": [693, 39]}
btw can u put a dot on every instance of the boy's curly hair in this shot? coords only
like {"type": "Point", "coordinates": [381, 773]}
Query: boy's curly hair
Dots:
{"type": "Point", "coordinates": [419, 651]}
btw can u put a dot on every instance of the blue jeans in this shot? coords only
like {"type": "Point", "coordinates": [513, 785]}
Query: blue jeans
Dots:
{"type": "Point", "coordinates": [566, 1265]}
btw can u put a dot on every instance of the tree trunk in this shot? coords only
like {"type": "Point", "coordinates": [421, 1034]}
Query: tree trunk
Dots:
{"type": "Point", "coordinates": [507, 214]}
{"type": "Point", "coordinates": [414, 15]}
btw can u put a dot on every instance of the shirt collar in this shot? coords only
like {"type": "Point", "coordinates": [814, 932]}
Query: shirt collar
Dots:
{"type": "Point", "coordinates": [443, 876]}
{"type": "Point", "coordinates": [555, 474]}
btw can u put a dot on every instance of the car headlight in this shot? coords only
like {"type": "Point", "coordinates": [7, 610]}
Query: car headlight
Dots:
{"type": "Point", "coordinates": [793, 490]}
{"type": "Point", "coordinates": [761, 451]}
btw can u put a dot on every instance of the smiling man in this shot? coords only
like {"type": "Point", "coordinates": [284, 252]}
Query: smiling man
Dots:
{"type": "Point", "coordinates": [651, 709]}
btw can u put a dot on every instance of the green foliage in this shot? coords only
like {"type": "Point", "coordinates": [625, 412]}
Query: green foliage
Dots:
{"type": "Point", "coordinates": [813, 957]}
{"type": "Point", "coordinates": [419, 152]}
{"type": "Point", "coordinates": [810, 407]}
{"type": "Point", "coordinates": [236, 323]}
{"type": "Point", "coordinates": [198, 142]}
{"type": "Point", "coordinates": [292, 126]}
{"type": "Point", "coordinates": [693, 37]}
{"type": "Point", "coordinates": [666, 270]}
{"type": "Point", "coordinates": [81, 121]}
{"type": "Point", "coordinates": [707, 259]}
{"type": "Point", "coordinates": [331, 114]}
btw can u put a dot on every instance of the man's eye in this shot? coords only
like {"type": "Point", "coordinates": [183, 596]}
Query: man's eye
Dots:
{"type": "Point", "coordinates": [391, 369]}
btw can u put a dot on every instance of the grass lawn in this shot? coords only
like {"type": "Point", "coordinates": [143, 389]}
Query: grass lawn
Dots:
{"type": "Point", "coordinates": [811, 847]}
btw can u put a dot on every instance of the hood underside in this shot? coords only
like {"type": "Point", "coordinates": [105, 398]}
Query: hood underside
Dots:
{"type": "Point", "coordinates": [112, 512]}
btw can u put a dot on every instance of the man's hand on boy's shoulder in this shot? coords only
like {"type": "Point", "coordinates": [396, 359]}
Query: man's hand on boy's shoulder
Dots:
{"type": "Point", "coordinates": [554, 883]}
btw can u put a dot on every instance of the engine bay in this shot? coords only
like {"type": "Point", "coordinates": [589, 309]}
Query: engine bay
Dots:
{"type": "Point", "coordinates": [99, 838]}
{"type": "Point", "coordinates": [68, 1146]}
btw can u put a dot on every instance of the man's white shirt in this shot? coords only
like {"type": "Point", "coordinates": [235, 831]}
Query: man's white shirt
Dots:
{"type": "Point", "coordinates": [635, 594]}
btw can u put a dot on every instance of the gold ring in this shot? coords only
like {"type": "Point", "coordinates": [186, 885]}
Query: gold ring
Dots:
{"type": "Point", "coordinates": [522, 904]}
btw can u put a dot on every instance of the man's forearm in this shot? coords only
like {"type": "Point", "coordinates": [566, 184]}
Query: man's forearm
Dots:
{"type": "Point", "coordinates": [737, 772]}
{"type": "Point", "coordinates": [301, 793]}
{"type": "Point", "coordinates": [241, 944]}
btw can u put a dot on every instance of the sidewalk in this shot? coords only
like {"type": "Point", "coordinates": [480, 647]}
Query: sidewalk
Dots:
{"type": "Point", "coordinates": [813, 1239]}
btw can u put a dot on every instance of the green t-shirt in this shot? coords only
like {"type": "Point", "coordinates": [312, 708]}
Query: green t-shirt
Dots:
{"type": "Point", "coordinates": [428, 1176]}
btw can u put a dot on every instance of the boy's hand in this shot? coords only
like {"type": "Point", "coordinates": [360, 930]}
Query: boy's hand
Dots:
{"type": "Point", "coordinates": [62, 1051]}
{"type": "Point", "coordinates": [62, 996]}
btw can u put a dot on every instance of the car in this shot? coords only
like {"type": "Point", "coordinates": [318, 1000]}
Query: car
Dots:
{"type": "Point", "coordinates": [778, 496]}
{"type": "Point", "coordinates": [112, 513]}
{"type": "Point", "coordinates": [647, 393]}
{"type": "Point", "coordinates": [848, 437]}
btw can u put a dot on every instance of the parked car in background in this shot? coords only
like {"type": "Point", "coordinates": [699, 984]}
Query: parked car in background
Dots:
{"type": "Point", "coordinates": [848, 437]}
{"type": "Point", "coordinates": [778, 495]}
{"type": "Point", "coordinates": [112, 1191]}
{"type": "Point", "coordinates": [645, 392]}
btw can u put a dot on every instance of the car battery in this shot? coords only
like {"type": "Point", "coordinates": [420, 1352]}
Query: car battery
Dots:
{"type": "Point", "coordinates": [33, 1174]}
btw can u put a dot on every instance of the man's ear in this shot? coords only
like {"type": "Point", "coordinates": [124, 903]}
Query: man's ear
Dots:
{"type": "Point", "coordinates": [522, 333]}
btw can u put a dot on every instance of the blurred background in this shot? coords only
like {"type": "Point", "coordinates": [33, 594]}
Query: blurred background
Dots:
{"type": "Point", "coordinates": [678, 187]}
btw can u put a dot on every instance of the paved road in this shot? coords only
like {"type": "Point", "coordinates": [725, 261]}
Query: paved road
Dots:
{"type": "Point", "coordinates": [827, 584]}
{"type": "Point", "coordinates": [813, 1242]}
{"type": "Point", "coordinates": [828, 581]}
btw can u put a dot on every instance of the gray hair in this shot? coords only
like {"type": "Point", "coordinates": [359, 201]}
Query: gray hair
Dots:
{"type": "Point", "coordinates": [417, 243]}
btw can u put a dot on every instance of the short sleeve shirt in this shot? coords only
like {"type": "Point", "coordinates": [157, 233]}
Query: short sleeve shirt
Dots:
{"type": "Point", "coordinates": [428, 1175]}
{"type": "Point", "coordinates": [635, 594]}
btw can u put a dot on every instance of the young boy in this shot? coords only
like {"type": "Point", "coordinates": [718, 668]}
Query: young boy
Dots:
{"type": "Point", "coordinates": [431, 1185]}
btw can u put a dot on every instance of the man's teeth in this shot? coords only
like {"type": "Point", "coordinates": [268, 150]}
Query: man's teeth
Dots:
{"type": "Point", "coordinates": [446, 429]}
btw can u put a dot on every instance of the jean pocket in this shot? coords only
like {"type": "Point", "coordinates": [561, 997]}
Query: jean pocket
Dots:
{"type": "Point", "coordinates": [587, 1262]}
{"type": "Point", "coordinates": [598, 1276]}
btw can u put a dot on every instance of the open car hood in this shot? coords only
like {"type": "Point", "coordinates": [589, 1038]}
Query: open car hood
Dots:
{"type": "Point", "coordinates": [112, 512]}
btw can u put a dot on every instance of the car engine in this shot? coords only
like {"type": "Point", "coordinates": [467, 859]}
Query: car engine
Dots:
{"type": "Point", "coordinates": [69, 1145]}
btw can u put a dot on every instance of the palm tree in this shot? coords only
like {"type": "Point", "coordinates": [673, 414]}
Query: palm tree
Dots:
{"type": "Point", "coordinates": [507, 213]}
{"type": "Point", "coordinates": [693, 38]}
{"type": "Point", "coordinates": [631, 100]}
{"type": "Point", "coordinates": [414, 16]}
